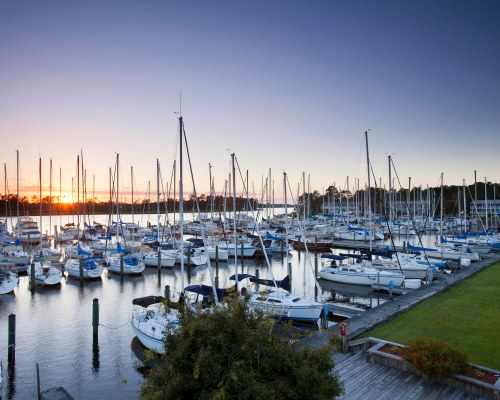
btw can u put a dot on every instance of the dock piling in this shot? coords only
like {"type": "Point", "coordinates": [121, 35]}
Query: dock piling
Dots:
{"type": "Point", "coordinates": [95, 317]}
{"type": "Point", "coordinates": [32, 277]}
{"type": "Point", "coordinates": [11, 340]}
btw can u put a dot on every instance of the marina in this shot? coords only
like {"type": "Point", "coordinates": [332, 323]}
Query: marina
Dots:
{"type": "Point", "coordinates": [54, 325]}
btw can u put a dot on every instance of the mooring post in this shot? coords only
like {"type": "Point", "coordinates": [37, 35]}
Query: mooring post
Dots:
{"type": "Point", "coordinates": [188, 257]}
{"type": "Point", "coordinates": [11, 339]}
{"type": "Point", "coordinates": [257, 276]}
{"type": "Point", "coordinates": [38, 391]}
{"type": "Point", "coordinates": [81, 270]}
{"type": "Point", "coordinates": [216, 281]}
{"type": "Point", "coordinates": [315, 247]}
{"type": "Point", "coordinates": [95, 317]}
{"type": "Point", "coordinates": [166, 292]}
{"type": "Point", "coordinates": [290, 273]}
{"type": "Point", "coordinates": [32, 277]}
{"type": "Point", "coordinates": [242, 251]}
{"type": "Point", "coordinates": [55, 235]}
{"type": "Point", "coordinates": [121, 264]}
{"type": "Point", "coordinates": [159, 259]}
{"type": "Point", "coordinates": [216, 256]}
{"type": "Point", "coordinates": [298, 247]}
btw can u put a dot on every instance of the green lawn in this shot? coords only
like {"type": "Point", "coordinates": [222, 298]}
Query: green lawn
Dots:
{"type": "Point", "coordinates": [467, 315]}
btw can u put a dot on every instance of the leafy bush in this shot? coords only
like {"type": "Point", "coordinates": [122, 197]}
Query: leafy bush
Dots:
{"type": "Point", "coordinates": [435, 358]}
{"type": "Point", "coordinates": [229, 353]}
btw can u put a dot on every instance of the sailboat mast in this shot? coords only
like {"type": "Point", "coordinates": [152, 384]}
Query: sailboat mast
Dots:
{"type": "Point", "coordinates": [17, 183]}
{"type": "Point", "coordinates": [390, 192]}
{"type": "Point", "coordinates": [368, 190]}
{"type": "Point", "coordinates": [286, 218]}
{"type": "Point", "coordinates": [40, 181]}
{"type": "Point", "coordinates": [441, 212]}
{"type": "Point", "coordinates": [486, 203]}
{"type": "Point", "coordinates": [181, 204]}
{"type": "Point", "coordinates": [132, 188]}
{"type": "Point", "coordinates": [78, 195]}
{"type": "Point", "coordinates": [118, 220]}
{"type": "Point", "coordinates": [158, 200]}
{"type": "Point", "coordinates": [465, 206]}
{"type": "Point", "coordinates": [50, 199]}
{"type": "Point", "coordinates": [234, 222]}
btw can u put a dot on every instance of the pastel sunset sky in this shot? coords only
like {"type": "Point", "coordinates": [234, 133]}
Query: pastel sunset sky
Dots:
{"type": "Point", "coordinates": [288, 86]}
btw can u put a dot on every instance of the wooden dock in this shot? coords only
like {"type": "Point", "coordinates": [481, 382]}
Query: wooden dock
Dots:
{"type": "Point", "coordinates": [370, 380]}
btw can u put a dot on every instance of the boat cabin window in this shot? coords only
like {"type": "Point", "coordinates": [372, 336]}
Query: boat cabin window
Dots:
{"type": "Point", "coordinates": [296, 299]}
{"type": "Point", "coordinates": [274, 301]}
{"type": "Point", "coordinates": [344, 269]}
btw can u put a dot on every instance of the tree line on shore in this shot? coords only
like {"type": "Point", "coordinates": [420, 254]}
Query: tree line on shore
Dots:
{"type": "Point", "coordinates": [314, 203]}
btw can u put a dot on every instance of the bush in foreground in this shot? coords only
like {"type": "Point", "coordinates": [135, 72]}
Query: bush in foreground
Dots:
{"type": "Point", "coordinates": [229, 353]}
{"type": "Point", "coordinates": [435, 358]}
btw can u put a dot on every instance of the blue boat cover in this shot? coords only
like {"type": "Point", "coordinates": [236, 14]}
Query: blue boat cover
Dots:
{"type": "Point", "coordinates": [121, 250]}
{"type": "Point", "coordinates": [83, 252]}
{"type": "Point", "coordinates": [333, 257]}
{"type": "Point", "coordinates": [269, 236]}
{"type": "Point", "coordinates": [415, 248]}
{"type": "Point", "coordinates": [206, 290]}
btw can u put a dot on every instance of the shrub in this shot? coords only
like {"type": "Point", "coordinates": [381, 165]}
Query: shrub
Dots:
{"type": "Point", "coordinates": [435, 358]}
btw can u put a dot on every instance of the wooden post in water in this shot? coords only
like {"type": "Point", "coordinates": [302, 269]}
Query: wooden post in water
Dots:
{"type": "Point", "coordinates": [298, 247]}
{"type": "Point", "coordinates": [11, 340]}
{"type": "Point", "coordinates": [81, 270]}
{"type": "Point", "coordinates": [290, 273]}
{"type": "Point", "coordinates": [216, 281]}
{"type": "Point", "coordinates": [55, 235]}
{"type": "Point", "coordinates": [95, 317]}
{"type": "Point", "coordinates": [159, 259]}
{"type": "Point", "coordinates": [315, 247]}
{"type": "Point", "coordinates": [167, 292]}
{"type": "Point", "coordinates": [242, 252]}
{"type": "Point", "coordinates": [189, 257]}
{"type": "Point", "coordinates": [257, 276]}
{"type": "Point", "coordinates": [121, 264]}
{"type": "Point", "coordinates": [38, 391]}
{"type": "Point", "coordinates": [32, 277]}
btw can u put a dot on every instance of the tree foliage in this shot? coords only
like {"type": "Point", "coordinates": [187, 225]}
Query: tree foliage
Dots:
{"type": "Point", "coordinates": [229, 353]}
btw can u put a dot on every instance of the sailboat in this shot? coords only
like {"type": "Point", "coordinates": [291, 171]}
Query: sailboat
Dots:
{"type": "Point", "coordinates": [152, 318]}
{"type": "Point", "coordinates": [46, 274]}
{"type": "Point", "coordinates": [84, 264]}
{"type": "Point", "coordinates": [278, 301]}
{"type": "Point", "coordinates": [361, 272]}
{"type": "Point", "coordinates": [8, 281]}
{"type": "Point", "coordinates": [153, 258]}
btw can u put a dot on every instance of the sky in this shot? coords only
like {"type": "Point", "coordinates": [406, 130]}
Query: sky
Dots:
{"type": "Point", "coordinates": [287, 86]}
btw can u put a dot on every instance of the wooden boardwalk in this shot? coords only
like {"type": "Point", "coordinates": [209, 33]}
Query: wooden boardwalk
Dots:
{"type": "Point", "coordinates": [370, 380]}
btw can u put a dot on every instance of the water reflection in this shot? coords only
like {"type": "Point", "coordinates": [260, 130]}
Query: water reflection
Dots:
{"type": "Point", "coordinates": [95, 355]}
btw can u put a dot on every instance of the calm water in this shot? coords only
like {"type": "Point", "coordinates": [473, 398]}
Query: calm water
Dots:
{"type": "Point", "coordinates": [54, 326]}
